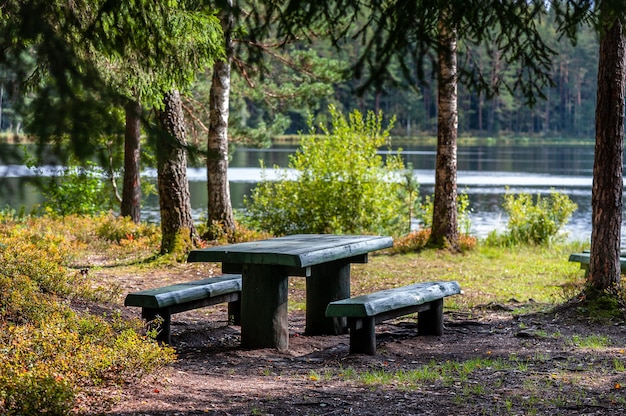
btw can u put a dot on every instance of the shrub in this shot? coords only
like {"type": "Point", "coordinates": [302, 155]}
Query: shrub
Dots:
{"type": "Point", "coordinates": [28, 251]}
{"type": "Point", "coordinates": [47, 351]}
{"type": "Point", "coordinates": [417, 240]}
{"type": "Point", "coordinates": [117, 229]}
{"type": "Point", "coordinates": [76, 190]}
{"type": "Point", "coordinates": [425, 213]}
{"type": "Point", "coordinates": [49, 360]}
{"type": "Point", "coordinates": [535, 221]}
{"type": "Point", "coordinates": [241, 233]}
{"type": "Point", "coordinates": [342, 185]}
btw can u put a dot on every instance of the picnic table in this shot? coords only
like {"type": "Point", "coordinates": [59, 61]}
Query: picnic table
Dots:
{"type": "Point", "coordinates": [323, 259]}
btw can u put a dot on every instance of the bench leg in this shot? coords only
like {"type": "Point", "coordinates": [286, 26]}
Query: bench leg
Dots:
{"type": "Point", "coordinates": [234, 312]}
{"type": "Point", "coordinates": [362, 335]}
{"type": "Point", "coordinates": [430, 322]}
{"type": "Point", "coordinates": [150, 314]}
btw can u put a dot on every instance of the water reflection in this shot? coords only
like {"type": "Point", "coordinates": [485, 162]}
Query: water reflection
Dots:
{"type": "Point", "coordinates": [484, 174]}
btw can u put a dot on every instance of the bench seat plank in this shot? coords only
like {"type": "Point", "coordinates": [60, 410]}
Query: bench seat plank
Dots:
{"type": "Point", "coordinates": [176, 294]}
{"type": "Point", "coordinates": [168, 300]}
{"type": "Point", "coordinates": [365, 311]}
{"type": "Point", "coordinates": [392, 299]}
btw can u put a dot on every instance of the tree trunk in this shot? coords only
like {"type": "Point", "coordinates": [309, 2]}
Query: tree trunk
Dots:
{"type": "Point", "coordinates": [177, 228]}
{"type": "Point", "coordinates": [606, 193]}
{"type": "Point", "coordinates": [220, 211]}
{"type": "Point", "coordinates": [131, 192]}
{"type": "Point", "coordinates": [444, 228]}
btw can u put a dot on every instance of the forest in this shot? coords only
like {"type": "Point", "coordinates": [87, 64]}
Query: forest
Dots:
{"type": "Point", "coordinates": [274, 97]}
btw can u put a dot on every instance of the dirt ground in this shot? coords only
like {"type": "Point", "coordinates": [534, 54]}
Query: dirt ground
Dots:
{"type": "Point", "coordinates": [547, 372]}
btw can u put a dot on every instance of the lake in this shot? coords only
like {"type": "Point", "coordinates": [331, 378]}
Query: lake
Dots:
{"type": "Point", "coordinates": [484, 174]}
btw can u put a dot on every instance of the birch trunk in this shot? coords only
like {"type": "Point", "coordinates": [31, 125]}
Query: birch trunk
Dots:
{"type": "Point", "coordinates": [220, 211]}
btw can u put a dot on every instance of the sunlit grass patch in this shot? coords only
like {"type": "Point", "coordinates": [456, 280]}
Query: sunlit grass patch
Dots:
{"type": "Point", "coordinates": [446, 373]}
{"type": "Point", "coordinates": [593, 341]}
{"type": "Point", "coordinates": [487, 274]}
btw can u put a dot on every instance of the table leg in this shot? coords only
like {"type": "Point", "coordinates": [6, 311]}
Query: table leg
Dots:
{"type": "Point", "coordinates": [327, 283]}
{"type": "Point", "coordinates": [264, 307]}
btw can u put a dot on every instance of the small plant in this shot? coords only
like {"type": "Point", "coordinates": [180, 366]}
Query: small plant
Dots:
{"type": "Point", "coordinates": [536, 221]}
{"type": "Point", "coordinates": [425, 213]}
{"type": "Point", "coordinates": [239, 235]}
{"type": "Point", "coordinates": [48, 351]}
{"type": "Point", "coordinates": [76, 190]}
{"type": "Point", "coordinates": [409, 193]}
{"type": "Point", "coordinates": [118, 229]}
{"type": "Point", "coordinates": [415, 241]}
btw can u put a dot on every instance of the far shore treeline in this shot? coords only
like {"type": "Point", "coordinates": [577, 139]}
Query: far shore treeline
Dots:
{"type": "Point", "coordinates": [568, 109]}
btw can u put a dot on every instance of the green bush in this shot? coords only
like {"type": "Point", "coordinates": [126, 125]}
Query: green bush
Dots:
{"type": "Point", "coordinates": [116, 229]}
{"type": "Point", "coordinates": [342, 185]}
{"type": "Point", "coordinates": [75, 190]}
{"type": "Point", "coordinates": [48, 352]}
{"type": "Point", "coordinates": [425, 213]}
{"type": "Point", "coordinates": [49, 360]}
{"type": "Point", "coordinates": [536, 221]}
{"type": "Point", "coordinates": [24, 251]}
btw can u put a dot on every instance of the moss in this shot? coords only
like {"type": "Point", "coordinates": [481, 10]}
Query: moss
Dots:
{"type": "Point", "coordinates": [178, 244]}
{"type": "Point", "coordinates": [603, 305]}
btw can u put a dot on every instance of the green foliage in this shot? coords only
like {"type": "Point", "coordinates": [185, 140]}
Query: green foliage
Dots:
{"type": "Point", "coordinates": [409, 193]}
{"type": "Point", "coordinates": [239, 235]}
{"type": "Point", "coordinates": [35, 253]}
{"type": "Point", "coordinates": [534, 221]}
{"type": "Point", "coordinates": [603, 306]}
{"type": "Point", "coordinates": [75, 190]}
{"type": "Point", "coordinates": [463, 213]}
{"type": "Point", "coordinates": [417, 240]}
{"type": "Point", "coordinates": [117, 229]}
{"type": "Point", "coordinates": [47, 350]}
{"type": "Point", "coordinates": [342, 184]}
{"type": "Point", "coordinates": [49, 359]}
{"type": "Point", "coordinates": [425, 213]}
{"type": "Point", "coordinates": [593, 341]}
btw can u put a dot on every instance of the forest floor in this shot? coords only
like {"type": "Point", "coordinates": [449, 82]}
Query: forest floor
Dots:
{"type": "Point", "coordinates": [491, 360]}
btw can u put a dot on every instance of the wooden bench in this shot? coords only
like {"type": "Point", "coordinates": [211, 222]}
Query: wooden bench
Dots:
{"type": "Point", "coordinates": [364, 312]}
{"type": "Point", "coordinates": [583, 259]}
{"type": "Point", "coordinates": [168, 300]}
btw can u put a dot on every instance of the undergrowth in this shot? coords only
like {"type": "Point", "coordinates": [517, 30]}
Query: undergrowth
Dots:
{"type": "Point", "coordinates": [48, 351]}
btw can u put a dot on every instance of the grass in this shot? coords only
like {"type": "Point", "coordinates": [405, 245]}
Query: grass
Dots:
{"type": "Point", "coordinates": [486, 274]}
{"type": "Point", "coordinates": [511, 382]}
{"type": "Point", "coordinates": [530, 277]}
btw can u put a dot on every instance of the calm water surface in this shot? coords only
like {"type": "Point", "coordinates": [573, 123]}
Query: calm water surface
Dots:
{"type": "Point", "coordinates": [484, 174]}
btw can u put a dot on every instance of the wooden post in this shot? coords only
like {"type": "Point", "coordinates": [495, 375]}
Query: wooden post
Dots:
{"type": "Point", "coordinates": [362, 335]}
{"type": "Point", "coordinates": [264, 307]}
{"type": "Point", "coordinates": [234, 312]}
{"type": "Point", "coordinates": [430, 322]}
{"type": "Point", "coordinates": [327, 283]}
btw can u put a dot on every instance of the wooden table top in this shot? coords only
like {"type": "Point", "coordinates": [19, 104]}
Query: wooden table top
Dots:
{"type": "Point", "coordinates": [301, 250]}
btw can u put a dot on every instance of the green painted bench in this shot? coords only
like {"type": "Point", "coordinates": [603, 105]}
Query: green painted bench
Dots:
{"type": "Point", "coordinates": [364, 312]}
{"type": "Point", "coordinates": [583, 259]}
{"type": "Point", "coordinates": [168, 300]}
